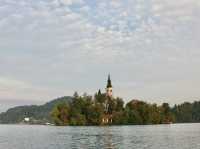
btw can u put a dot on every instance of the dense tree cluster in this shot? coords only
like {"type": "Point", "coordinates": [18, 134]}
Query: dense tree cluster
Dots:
{"type": "Point", "coordinates": [187, 112]}
{"type": "Point", "coordinates": [88, 110]}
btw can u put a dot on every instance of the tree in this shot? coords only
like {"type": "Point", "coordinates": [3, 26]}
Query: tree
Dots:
{"type": "Point", "coordinates": [94, 114]}
{"type": "Point", "coordinates": [78, 120]}
{"type": "Point", "coordinates": [166, 115]}
{"type": "Point", "coordinates": [154, 114]}
{"type": "Point", "coordinates": [119, 104]}
{"type": "Point", "coordinates": [60, 114]}
{"type": "Point", "coordinates": [86, 110]}
{"type": "Point", "coordinates": [99, 93]}
{"type": "Point", "coordinates": [75, 95]}
{"type": "Point", "coordinates": [99, 97]}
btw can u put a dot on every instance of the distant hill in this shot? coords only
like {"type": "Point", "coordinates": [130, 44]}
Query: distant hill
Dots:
{"type": "Point", "coordinates": [39, 114]}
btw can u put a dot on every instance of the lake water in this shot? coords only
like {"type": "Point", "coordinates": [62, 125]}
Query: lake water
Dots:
{"type": "Point", "coordinates": [175, 136]}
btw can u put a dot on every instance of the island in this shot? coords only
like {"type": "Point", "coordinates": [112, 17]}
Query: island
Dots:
{"type": "Point", "coordinates": [101, 109]}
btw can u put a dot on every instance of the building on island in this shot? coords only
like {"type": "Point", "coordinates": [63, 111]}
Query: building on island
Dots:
{"type": "Point", "coordinates": [107, 117]}
{"type": "Point", "coordinates": [26, 119]}
{"type": "Point", "coordinates": [109, 90]}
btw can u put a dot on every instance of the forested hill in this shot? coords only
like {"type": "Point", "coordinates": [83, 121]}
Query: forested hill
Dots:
{"type": "Point", "coordinates": [38, 114]}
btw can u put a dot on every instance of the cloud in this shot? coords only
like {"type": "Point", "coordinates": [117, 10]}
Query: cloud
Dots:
{"type": "Point", "coordinates": [58, 46]}
{"type": "Point", "coordinates": [11, 82]}
{"type": "Point", "coordinates": [71, 2]}
{"type": "Point", "coordinates": [23, 91]}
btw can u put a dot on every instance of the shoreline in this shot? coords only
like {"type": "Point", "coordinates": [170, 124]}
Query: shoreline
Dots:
{"type": "Point", "coordinates": [97, 125]}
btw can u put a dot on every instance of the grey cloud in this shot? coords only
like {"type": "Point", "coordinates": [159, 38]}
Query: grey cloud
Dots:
{"type": "Point", "coordinates": [55, 48]}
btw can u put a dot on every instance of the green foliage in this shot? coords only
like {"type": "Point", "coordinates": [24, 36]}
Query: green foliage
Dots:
{"type": "Point", "coordinates": [154, 114]}
{"type": "Point", "coordinates": [78, 120]}
{"type": "Point", "coordinates": [187, 112]}
{"type": "Point", "coordinates": [119, 104]}
{"type": "Point", "coordinates": [166, 115]}
{"type": "Point", "coordinates": [94, 114]}
{"type": "Point", "coordinates": [87, 110]}
{"type": "Point", "coordinates": [60, 114]}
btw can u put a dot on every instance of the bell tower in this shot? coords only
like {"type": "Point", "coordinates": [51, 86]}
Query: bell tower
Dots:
{"type": "Point", "coordinates": [107, 118]}
{"type": "Point", "coordinates": [109, 90]}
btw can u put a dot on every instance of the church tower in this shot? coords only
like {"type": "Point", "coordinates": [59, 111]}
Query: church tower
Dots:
{"type": "Point", "coordinates": [109, 90]}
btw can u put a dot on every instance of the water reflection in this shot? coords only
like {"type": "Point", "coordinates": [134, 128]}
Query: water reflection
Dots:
{"type": "Point", "coordinates": [103, 138]}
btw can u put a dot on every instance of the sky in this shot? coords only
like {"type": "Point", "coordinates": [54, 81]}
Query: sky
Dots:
{"type": "Point", "coordinates": [51, 48]}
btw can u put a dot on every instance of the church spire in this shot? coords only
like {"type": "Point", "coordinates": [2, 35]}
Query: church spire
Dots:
{"type": "Point", "coordinates": [109, 84]}
{"type": "Point", "coordinates": [109, 92]}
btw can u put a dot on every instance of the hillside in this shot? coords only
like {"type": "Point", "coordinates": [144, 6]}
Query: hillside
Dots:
{"type": "Point", "coordinates": [39, 114]}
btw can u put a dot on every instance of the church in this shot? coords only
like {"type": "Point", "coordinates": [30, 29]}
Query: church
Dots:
{"type": "Point", "coordinates": [109, 91]}
{"type": "Point", "coordinates": [107, 117]}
